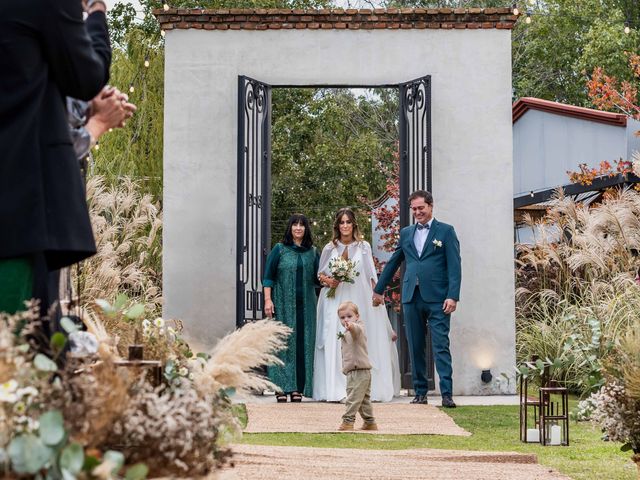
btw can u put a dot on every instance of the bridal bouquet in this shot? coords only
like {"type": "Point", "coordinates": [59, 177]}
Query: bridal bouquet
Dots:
{"type": "Point", "coordinates": [343, 271]}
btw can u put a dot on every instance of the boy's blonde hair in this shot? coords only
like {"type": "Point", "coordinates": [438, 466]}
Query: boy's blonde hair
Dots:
{"type": "Point", "coordinates": [348, 306]}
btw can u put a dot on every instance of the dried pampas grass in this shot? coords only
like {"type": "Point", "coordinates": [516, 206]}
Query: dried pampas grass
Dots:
{"type": "Point", "coordinates": [233, 359]}
{"type": "Point", "coordinates": [127, 228]}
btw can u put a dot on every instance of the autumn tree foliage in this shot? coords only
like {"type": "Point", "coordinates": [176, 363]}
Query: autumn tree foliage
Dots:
{"type": "Point", "coordinates": [608, 93]}
{"type": "Point", "coordinates": [388, 218]}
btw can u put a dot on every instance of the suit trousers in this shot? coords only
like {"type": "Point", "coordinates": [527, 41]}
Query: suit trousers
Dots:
{"type": "Point", "coordinates": [417, 315]}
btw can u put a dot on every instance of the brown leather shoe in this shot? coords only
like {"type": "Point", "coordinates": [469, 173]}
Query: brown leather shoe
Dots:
{"type": "Point", "coordinates": [346, 427]}
{"type": "Point", "coordinates": [370, 426]}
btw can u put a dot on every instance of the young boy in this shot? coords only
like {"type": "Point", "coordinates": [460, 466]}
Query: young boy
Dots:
{"type": "Point", "coordinates": [357, 368]}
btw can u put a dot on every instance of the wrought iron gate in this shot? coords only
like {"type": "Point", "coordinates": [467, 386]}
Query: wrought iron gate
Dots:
{"type": "Point", "coordinates": [415, 174]}
{"type": "Point", "coordinates": [254, 196]}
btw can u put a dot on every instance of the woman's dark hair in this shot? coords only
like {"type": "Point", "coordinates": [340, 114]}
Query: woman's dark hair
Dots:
{"type": "Point", "coordinates": [357, 236]}
{"type": "Point", "coordinates": [307, 240]}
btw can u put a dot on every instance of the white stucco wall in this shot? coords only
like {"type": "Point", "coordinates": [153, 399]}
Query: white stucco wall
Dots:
{"type": "Point", "coordinates": [472, 170]}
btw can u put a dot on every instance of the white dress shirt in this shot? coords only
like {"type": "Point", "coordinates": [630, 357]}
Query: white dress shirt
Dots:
{"type": "Point", "coordinates": [421, 236]}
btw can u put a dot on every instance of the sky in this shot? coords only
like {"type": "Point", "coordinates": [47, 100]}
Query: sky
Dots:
{"type": "Point", "coordinates": [135, 3]}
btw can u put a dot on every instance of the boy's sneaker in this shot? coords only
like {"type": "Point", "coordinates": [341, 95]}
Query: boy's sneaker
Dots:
{"type": "Point", "coordinates": [346, 427]}
{"type": "Point", "coordinates": [370, 426]}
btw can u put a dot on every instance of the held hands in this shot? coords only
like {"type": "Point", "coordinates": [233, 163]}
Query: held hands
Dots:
{"type": "Point", "coordinates": [394, 336]}
{"type": "Point", "coordinates": [449, 306]}
{"type": "Point", "coordinates": [268, 308]}
{"type": "Point", "coordinates": [377, 299]}
{"type": "Point", "coordinates": [109, 109]}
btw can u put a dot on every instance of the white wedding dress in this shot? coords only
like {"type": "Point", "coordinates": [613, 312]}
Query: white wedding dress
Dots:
{"type": "Point", "coordinates": [329, 383]}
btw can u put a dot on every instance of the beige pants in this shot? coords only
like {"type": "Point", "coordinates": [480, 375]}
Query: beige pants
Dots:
{"type": "Point", "coordinates": [359, 397]}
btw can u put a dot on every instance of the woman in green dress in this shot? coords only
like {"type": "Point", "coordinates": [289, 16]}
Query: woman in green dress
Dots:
{"type": "Point", "coordinates": [290, 278]}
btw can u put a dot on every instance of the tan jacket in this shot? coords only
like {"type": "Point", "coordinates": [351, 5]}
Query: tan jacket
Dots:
{"type": "Point", "coordinates": [354, 349]}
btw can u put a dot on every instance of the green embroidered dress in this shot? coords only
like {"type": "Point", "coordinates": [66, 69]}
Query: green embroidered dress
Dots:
{"type": "Point", "coordinates": [291, 272]}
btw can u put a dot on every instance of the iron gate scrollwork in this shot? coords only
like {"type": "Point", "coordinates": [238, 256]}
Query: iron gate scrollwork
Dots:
{"type": "Point", "coordinates": [254, 196]}
{"type": "Point", "coordinates": [415, 174]}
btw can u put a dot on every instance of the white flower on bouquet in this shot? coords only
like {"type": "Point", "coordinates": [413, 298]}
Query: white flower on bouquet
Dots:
{"type": "Point", "coordinates": [8, 391]}
{"type": "Point", "coordinates": [437, 243]}
{"type": "Point", "coordinates": [343, 270]}
{"type": "Point", "coordinates": [158, 322]}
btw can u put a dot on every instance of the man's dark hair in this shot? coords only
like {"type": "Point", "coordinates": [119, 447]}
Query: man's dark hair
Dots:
{"type": "Point", "coordinates": [428, 198]}
{"type": "Point", "coordinates": [307, 240]}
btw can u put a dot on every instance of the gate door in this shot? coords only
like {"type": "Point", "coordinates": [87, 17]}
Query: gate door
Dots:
{"type": "Point", "coordinates": [415, 174]}
{"type": "Point", "coordinates": [254, 196]}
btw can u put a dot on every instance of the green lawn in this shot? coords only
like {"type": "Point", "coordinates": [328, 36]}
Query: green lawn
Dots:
{"type": "Point", "coordinates": [493, 428]}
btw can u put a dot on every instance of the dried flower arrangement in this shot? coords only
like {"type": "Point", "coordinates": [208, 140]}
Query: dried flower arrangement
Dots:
{"type": "Point", "coordinates": [84, 418]}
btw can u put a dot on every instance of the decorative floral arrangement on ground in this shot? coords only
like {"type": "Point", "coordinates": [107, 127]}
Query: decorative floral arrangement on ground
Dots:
{"type": "Point", "coordinates": [343, 270]}
{"type": "Point", "coordinates": [67, 413]}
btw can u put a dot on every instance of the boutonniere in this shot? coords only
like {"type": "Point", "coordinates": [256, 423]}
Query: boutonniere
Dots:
{"type": "Point", "coordinates": [437, 243]}
{"type": "Point", "coordinates": [340, 335]}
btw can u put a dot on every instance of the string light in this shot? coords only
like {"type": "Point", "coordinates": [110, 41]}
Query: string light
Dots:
{"type": "Point", "coordinates": [131, 88]}
{"type": "Point", "coordinates": [146, 61]}
{"type": "Point", "coordinates": [528, 19]}
{"type": "Point", "coordinates": [165, 7]}
{"type": "Point", "coordinates": [162, 33]}
{"type": "Point", "coordinates": [516, 12]}
{"type": "Point", "coordinates": [627, 28]}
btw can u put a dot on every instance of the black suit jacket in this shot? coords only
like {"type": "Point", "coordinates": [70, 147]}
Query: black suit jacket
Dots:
{"type": "Point", "coordinates": [47, 52]}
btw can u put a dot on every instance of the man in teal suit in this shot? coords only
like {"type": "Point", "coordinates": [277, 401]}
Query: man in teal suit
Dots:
{"type": "Point", "coordinates": [430, 291]}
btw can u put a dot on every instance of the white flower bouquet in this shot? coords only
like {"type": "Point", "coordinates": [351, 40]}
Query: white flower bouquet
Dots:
{"type": "Point", "coordinates": [342, 270]}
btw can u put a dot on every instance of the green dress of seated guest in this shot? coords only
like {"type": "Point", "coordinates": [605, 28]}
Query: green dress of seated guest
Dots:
{"type": "Point", "coordinates": [290, 278]}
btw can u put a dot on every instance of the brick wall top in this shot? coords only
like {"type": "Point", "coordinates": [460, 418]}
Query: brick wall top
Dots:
{"type": "Point", "coordinates": [336, 19]}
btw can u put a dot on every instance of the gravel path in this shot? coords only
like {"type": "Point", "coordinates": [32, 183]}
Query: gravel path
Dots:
{"type": "Point", "coordinates": [323, 417]}
{"type": "Point", "coordinates": [295, 463]}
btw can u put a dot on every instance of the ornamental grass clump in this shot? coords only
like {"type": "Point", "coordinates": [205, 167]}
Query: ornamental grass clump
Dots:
{"type": "Point", "coordinates": [576, 286]}
{"type": "Point", "coordinates": [127, 226]}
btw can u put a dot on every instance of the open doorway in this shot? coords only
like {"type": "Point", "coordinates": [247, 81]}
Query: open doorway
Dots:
{"type": "Point", "coordinates": [315, 149]}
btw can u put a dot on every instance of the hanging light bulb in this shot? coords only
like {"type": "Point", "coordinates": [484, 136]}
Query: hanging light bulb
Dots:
{"type": "Point", "coordinates": [146, 61]}
{"type": "Point", "coordinates": [131, 88]}
{"type": "Point", "coordinates": [627, 28]}
{"type": "Point", "coordinates": [516, 12]}
{"type": "Point", "coordinates": [162, 33]}
{"type": "Point", "coordinates": [528, 19]}
{"type": "Point", "coordinates": [165, 7]}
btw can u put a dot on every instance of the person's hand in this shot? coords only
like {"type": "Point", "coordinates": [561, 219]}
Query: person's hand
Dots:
{"type": "Point", "coordinates": [268, 308]}
{"type": "Point", "coordinates": [378, 299]}
{"type": "Point", "coordinates": [128, 107]}
{"type": "Point", "coordinates": [109, 109]}
{"type": "Point", "coordinates": [449, 306]}
{"type": "Point", "coordinates": [332, 282]}
{"type": "Point", "coordinates": [347, 325]}
{"type": "Point", "coordinates": [328, 281]}
{"type": "Point", "coordinates": [394, 336]}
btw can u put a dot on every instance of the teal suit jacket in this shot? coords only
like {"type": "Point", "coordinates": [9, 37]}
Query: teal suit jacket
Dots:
{"type": "Point", "coordinates": [437, 270]}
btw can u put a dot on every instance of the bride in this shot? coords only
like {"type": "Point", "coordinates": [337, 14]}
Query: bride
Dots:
{"type": "Point", "coordinates": [329, 383]}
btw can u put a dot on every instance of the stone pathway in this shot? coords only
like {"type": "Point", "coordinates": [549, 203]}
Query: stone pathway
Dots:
{"type": "Point", "coordinates": [323, 417]}
{"type": "Point", "coordinates": [295, 463]}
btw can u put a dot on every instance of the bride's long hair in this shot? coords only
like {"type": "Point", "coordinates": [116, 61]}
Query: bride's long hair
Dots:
{"type": "Point", "coordinates": [357, 236]}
